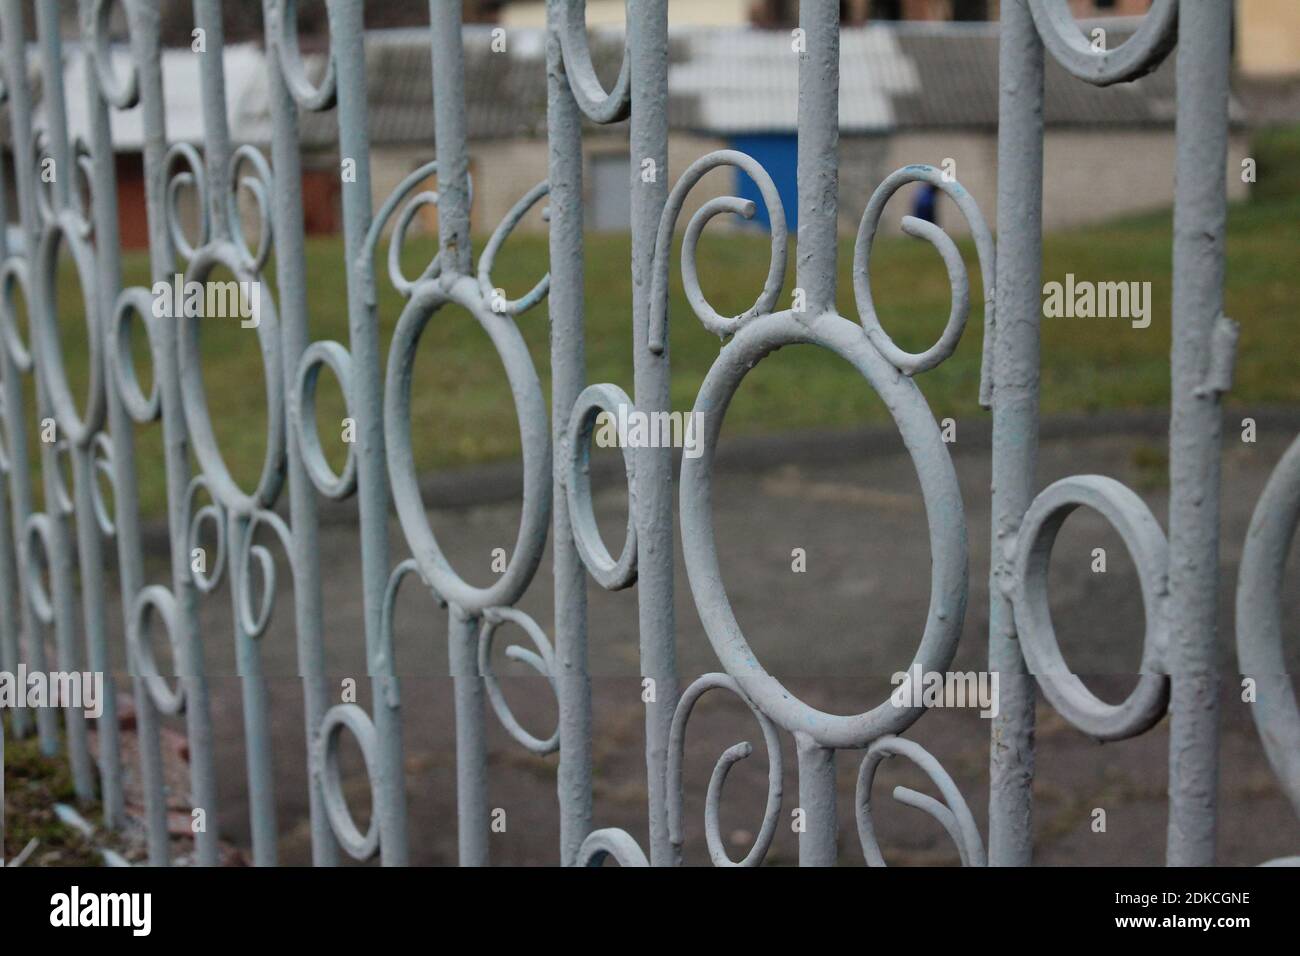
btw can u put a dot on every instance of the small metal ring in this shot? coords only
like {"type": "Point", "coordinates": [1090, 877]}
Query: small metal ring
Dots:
{"type": "Point", "coordinates": [122, 94]}
{"type": "Point", "coordinates": [157, 599]}
{"type": "Point", "coordinates": [38, 530]}
{"type": "Point", "coordinates": [205, 581]}
{"type": "Point", "coordinates": [257, 186]}
{"type": "Point", "coordinates": [142, 408]}
{"type": "Point", "coordinates": [1145, 540]}
{"type": "Point", "coordinates": [1138, 55]}
{"type": "Point", "coordinates": [14, 272]}
{"type": "Point", "coordinates": [284, 40]}
{"type": "Point", "coordinates": [612, 575]}
{"type": "Point", "coordinates": [360, 846]}
{"type": "Point", "coordinates": [596, 104]}
{"type": "Point", "coordinates": [302, 410]}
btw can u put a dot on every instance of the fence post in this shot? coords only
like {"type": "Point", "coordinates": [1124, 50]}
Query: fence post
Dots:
{"type": "Point", "coordinates": [1015, 421]}
{"type": "Point", "coordinates": [1195, 428]}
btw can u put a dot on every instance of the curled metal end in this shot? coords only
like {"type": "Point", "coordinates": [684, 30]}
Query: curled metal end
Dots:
{"type": "Point", "coordinates": [730, 757]}
{"type": "Point", "coordinates": [952, 813]}
{"type": "Point", "coordinates": [745, 208]}
{"type": "Point", "coordinates": [909, 363]}
{"type": "Point", "coordinates": [491, 295]}
{"type": "Point", "coordinates": [542, 661]}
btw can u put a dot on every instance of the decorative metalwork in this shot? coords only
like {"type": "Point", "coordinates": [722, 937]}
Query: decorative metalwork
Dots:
{"type": "Point", "coordinates": [97, 437]}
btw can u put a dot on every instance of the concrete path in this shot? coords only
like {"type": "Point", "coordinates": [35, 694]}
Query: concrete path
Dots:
{"type": "Point", "coordinates": [835, 633]}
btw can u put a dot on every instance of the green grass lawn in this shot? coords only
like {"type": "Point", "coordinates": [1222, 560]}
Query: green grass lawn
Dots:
{"type": "Point", "coordinates": [462, 411]}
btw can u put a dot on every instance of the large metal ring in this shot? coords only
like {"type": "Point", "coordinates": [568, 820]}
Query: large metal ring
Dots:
{"type": "Point", "coordinates": [426, 299]}
{"type": "Point", "coordinates": [943, 506]}
{"type": "Point", "coordinates": [195, 401]}
{"type": "Point", "coordinates": [78, 427]}
{"type": "Point", "coordinates": [1259, 620]}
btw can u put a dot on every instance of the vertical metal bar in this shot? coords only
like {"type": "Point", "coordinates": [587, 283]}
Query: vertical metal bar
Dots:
{"type": "Point", "coordinates": [454, 241]}
{"type": "Point", "coordinates": [216, 130]}
{"type": "Point", "coordinates": [1200, 218]}
{"type": "Point", "coordinates": [126, 507]}
{"type": "Point", "coordinates": [816, 264]}
{"type": "Point", "coordinates": [450, 136]}
{"type": "Point", "coordinates": [568, 373]}
{"type": "Point", "coordinates": [45, 323]}
{"type": "Point", "coordinates": [9, 599]}
{"type": "Point", "coordinates": [818, 153]}
{"type": "Point", "coordinates": [257, 718]}
{"type": "Point", "coordinates": [817, 842]}
{"type": "Point", "coordinates": [291, 269]}
{"type": "Point", "coordinates": [190, 669]}
{"type": "Point", "coordinates": [11, 596]}
{"type": "Point", "coordinates": [20, 477]}
{"type": "Point", "coordinates": [647, 40]}
{"type": "Point", "coordinates": [1015, 420]}
{"type": "Point", "coordinates": [472, 812]}
{"type": "Point", "coordinates": [348, 42]}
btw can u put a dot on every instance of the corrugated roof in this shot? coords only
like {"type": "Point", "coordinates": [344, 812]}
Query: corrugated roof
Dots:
{"type": "Point", "coordinates": [721, 81]}
{"type": "Point", "coordinates": [961, 87]}
{"type": "Point", "coordinates": [245, 94]}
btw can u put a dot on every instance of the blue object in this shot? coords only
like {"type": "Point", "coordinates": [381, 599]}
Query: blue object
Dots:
{"type": "Point", "coordinates": [778, 153]}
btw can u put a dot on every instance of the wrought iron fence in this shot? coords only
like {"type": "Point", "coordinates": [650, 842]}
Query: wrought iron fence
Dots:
{"type": "Point", "coordinates": [97, 436]}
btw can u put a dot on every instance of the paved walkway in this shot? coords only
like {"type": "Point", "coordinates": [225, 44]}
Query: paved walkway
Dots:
{"type": "Point", "coordinates": [835, 633]}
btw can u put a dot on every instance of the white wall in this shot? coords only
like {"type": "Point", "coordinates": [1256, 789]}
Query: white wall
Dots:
{"type": "Point", "coordinates": [1088, 176]}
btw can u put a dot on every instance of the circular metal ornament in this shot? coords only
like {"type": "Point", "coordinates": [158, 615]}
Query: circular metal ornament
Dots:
{"type": "Point", "coordinates": [426, 299]}
{"type": "Point", "coordinates": [1138, 55]}
{"type": "Point", "coordinates": [151, 600]}
{"type": "Point", "coordinates": [943, 507]}
{"type": "Point", "coordinates": [360, 846]}
{"type": "Point", "coordinates": [194, 398]}
{"type": "Point", "coordinates": [1145, 542]}
{"type": "Point", "coordinates": [78, 427]}
{"type": "Point", "coordinates": [596, 104]}
{"type": "Point", "coordinates": [611, 574]}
